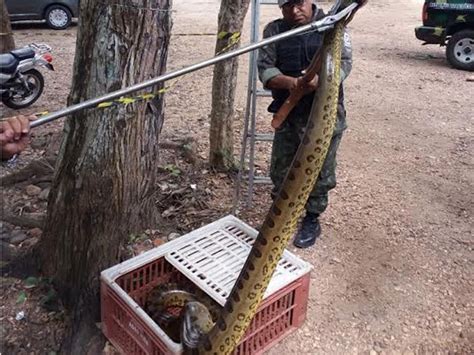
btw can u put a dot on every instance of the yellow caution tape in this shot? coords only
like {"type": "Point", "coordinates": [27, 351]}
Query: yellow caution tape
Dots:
{"type": "Point", "coordinates": [147, 96]}
{"type": "Point", "coordinates": [126, 100]}
{"type": "Point", "coordinates": [105, 104]}
{"type": "Point", "coordinates": [223, 35]}
{"type": "Point", "coordinates": [232, 38]}
{"type": "Point", "coordinates": [39, 114]}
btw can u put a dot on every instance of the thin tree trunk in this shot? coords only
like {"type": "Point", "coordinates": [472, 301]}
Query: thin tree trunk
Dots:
{"type": "Point", "coordinates": [6, 35]}
{"type": "Point", "coordinates": [107, 166]}
{"type": "Point", "coordinates": [221, 155]}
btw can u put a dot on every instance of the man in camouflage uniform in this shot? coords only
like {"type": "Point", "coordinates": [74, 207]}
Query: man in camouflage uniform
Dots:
{"type": "Point", "coordinates": [280, 67]}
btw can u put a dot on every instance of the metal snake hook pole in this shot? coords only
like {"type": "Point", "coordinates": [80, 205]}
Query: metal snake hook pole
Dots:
{"type": "Point", "coordinates": [320, 26]}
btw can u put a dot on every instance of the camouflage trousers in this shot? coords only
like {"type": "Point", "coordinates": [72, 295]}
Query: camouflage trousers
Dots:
{"type": "Point", "coordinates": [285, 144]}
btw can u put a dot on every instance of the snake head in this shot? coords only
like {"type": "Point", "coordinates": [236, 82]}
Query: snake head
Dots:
{"type": "Point", "coordinates": [196, 323]}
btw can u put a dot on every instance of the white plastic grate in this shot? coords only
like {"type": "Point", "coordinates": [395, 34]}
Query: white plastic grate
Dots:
{"type": "Point", "coordinates": [213, 257]}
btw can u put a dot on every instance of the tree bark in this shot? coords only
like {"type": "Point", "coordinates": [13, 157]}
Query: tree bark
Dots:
{"type": "Point", "coordinates": [221, 155]}
{"type": "Point", "coordinates": [107, 167]}
{"type": "Point", "coordinates": [6, 35]}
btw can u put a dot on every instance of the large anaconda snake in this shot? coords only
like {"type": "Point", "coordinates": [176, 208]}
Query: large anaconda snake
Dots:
{"type": "Point", "coordinates": [280, 222]}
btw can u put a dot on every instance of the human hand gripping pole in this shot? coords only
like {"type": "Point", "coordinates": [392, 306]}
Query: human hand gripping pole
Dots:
{"type": "Point", "coordinates": [297, 94]}
{"type": "Point", "coordinates": [103, 101]}
{"type": "Point", "coordinates": [310, 74]}
{"type": "Point", "coordinates": [14, 135]}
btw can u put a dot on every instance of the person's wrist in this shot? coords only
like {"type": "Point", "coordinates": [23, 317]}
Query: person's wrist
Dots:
{"type": "Point", "coordinates": [293, 83]}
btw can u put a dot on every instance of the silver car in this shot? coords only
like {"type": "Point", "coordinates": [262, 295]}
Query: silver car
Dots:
{"type": "Point", "coordinates": [57, 13]}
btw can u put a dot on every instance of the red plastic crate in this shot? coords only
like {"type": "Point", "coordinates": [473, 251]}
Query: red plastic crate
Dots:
{"type": "Point", "coordinates": [124, 289]}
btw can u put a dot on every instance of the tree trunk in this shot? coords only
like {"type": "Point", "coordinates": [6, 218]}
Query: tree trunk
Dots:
{"type": "Point", "coordinates": [221, 155]}
{"type": "Point", "coordinates": [6, 36]}
{"type": "Point", "coordinates": [107, 166]}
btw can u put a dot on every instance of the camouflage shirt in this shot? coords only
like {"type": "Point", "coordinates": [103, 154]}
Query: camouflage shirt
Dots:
{"type": "Point", "coordinates": [267, 57]}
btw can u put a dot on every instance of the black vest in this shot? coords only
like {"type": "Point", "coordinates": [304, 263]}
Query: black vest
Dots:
{"type": "Point", "coordinates": [294, 55]}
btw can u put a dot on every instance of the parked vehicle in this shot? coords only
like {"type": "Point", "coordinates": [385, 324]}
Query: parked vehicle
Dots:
{"type": "Point", "coordinates": [57, 13]}
{"type": "Point", "coordinates": [20, 83]}
{"type": "Point", "coordinates": [450, 23]}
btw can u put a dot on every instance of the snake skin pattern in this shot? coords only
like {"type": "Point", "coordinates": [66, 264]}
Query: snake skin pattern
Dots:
{"type": "Point", "coordinates": [185, 315]}
{"type": "Point", "coordinates": [280, 223]}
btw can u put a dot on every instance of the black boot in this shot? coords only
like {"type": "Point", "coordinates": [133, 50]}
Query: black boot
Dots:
{"type": "Point", "coordinates": [310, 230]}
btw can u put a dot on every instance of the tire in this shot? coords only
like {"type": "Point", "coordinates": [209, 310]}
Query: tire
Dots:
{"type": "Point", "coordinates": [18, 101]}
{"type": "Point", "coordinates": [58, 17]}
{"type": "Point", "coordinates": [460, 50]}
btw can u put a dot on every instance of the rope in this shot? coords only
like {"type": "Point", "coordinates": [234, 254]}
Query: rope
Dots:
{"type": "Point", "coordinates": [232, 37]}
{"type": "Point", "coordinates": [136, 7]}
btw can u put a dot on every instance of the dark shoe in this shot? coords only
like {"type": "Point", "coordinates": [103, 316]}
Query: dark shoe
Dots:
{"type": "Point", "coordinates": [309, 231]}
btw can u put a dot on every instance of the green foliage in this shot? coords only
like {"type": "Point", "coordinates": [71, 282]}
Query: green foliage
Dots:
{"type": "Point", "coordinates": [32, 282]}
{"type": "Point", "coordinates": [134, 238]}
{"type": "Point", "coordinates": [173, 170]}
{"type": "Point", "coordinates": [50, 300]}
{"type": "Point", "coordinates": [21, 298]}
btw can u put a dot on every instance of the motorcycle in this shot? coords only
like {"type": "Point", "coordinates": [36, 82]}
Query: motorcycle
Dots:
{"type": "Point", "coordinates": [20, 83]}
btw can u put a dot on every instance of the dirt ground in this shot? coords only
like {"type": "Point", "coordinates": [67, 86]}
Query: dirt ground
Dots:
{"type": "Point", "coordinates": [394, 268]}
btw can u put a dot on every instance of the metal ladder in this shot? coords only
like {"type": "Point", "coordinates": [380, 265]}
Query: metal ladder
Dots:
{"type": "Point", "coordinates": [250, 136]}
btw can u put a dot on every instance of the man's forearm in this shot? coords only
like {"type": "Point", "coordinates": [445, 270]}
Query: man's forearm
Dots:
{"type": "Point", "coordinates": [282, 82]}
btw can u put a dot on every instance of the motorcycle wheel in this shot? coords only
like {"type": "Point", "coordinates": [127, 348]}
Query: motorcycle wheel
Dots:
{"type": "Point", "coordinates": [22, 98]}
